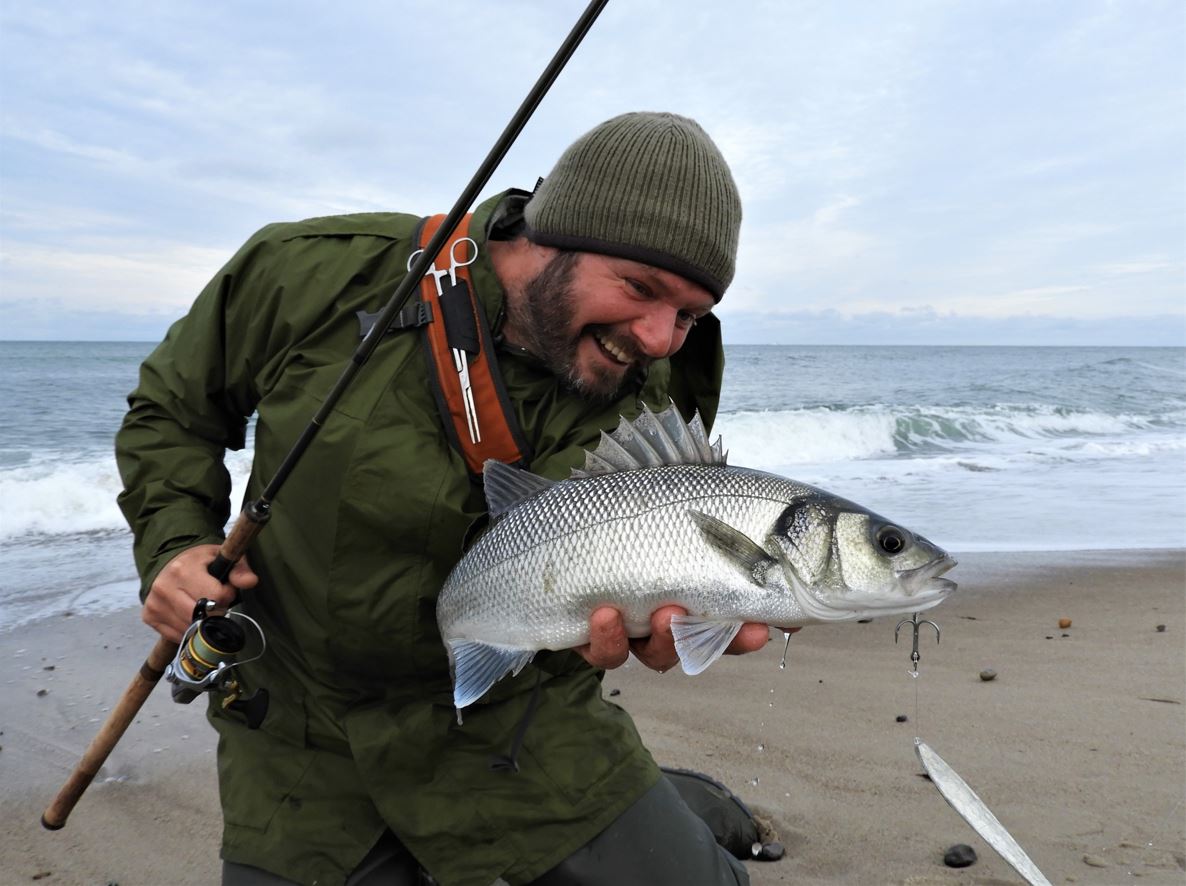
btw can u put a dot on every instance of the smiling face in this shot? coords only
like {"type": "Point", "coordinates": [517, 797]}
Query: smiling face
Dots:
{"type": "Point", "coordinates": [597, 320]}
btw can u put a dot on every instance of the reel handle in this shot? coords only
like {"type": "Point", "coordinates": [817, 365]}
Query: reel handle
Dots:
{"type": "Point", "coordinates": [113, 728]}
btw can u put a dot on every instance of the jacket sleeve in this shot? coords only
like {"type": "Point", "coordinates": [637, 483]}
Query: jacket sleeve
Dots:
{"type": "Point", "coordinates": [195, 394]}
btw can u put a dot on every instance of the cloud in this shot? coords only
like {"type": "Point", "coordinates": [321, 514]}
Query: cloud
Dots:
{"type": "Point", "coordinates": [977, 160]}
{"type": "Point", "coordinates": [150, 277]}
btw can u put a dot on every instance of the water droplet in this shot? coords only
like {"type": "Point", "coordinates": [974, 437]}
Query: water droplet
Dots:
{"type": "Point", "coordinates": [782, 665]}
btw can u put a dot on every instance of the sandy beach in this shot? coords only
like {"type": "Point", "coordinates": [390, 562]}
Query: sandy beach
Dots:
{"type": "Point", "coordinates": [1078, 746]}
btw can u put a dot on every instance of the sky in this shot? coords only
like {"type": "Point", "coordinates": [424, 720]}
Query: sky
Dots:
{"type": "Point", "coordinates": [987, 172]}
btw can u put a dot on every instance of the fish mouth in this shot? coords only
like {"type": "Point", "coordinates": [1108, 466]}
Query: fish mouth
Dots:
{"type": "Point", "coordinates": [925, 579]}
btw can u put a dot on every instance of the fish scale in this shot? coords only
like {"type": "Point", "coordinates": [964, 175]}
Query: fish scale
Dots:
{"type": "Point", "coordinates": [728, 544]}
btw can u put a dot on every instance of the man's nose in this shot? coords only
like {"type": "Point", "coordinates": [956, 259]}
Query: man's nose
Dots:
{"type": "Point", "coordinates": [657, 333]}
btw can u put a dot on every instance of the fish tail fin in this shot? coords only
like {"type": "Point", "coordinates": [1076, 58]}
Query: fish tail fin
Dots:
{"type": "Point", "coordinates": [477, 666]}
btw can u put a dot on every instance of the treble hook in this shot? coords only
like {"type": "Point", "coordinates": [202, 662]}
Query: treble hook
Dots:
{"type": "Point", "coordinates": [916, 624]}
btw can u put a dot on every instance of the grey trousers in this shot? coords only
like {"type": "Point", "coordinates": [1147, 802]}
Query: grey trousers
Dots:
{"type": "Point", "coordinates": [658, 841]}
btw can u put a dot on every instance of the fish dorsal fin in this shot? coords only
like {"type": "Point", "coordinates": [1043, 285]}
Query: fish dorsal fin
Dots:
{"type": "Point", "coordinates": [651, 440]}
{"type": "Point", "coordinates": [507, 486]}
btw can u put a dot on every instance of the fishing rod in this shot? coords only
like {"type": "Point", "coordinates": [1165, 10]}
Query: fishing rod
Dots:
{"type": "Point", "coordinates": [202, 648]}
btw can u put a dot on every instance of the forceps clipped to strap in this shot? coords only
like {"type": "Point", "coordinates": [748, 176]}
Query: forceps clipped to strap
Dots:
{"type": "Point", "coordinates": [460, 358]}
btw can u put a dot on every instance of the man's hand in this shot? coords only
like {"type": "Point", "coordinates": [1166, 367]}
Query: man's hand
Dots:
{"type": "Point", "coordinates": [609, 647]}
{"type": "Point", "coordinates": [169, 606]}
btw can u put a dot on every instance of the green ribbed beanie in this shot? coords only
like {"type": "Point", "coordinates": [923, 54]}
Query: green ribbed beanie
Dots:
{"type": "Point", "coordinates": [651, 187]}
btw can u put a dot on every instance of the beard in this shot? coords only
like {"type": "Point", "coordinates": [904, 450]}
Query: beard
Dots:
{"type": "Point", "coordinates": [546, 325]}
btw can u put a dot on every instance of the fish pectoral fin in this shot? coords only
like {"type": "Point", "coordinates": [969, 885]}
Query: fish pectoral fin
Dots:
{"type": "Point", "coordinates": [507, 486]}
{"type": "Point", "coordinates": [701, 641]}
{"type": "Point", "coordinates": [477, 666]}
{"type": "Point", "coordinates": [747, 554]}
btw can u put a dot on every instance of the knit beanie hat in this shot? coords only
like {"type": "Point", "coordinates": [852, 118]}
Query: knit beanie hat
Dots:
{"type": "Point", "coordinates": [651, 187]}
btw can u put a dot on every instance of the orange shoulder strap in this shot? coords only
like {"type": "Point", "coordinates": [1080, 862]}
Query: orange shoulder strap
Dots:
{"type": "Point", "coordinates": [477, 414]}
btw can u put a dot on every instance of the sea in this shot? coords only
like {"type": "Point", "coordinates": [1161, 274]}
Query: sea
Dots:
{"type": "Point", "coordinates": [977, 448]}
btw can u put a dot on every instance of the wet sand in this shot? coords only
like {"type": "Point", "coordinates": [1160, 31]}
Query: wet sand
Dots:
{"type": "Point", "coordinates": [1078, 746]}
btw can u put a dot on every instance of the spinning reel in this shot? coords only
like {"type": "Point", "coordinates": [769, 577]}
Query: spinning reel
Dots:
{"type": "Point", "coordinates": [217, 642]}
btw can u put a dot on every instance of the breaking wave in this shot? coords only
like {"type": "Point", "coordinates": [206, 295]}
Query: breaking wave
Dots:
{"type": "Point", "coordinates": [55, 498]}
{"type": "Point", "coordinates": [828, 434]}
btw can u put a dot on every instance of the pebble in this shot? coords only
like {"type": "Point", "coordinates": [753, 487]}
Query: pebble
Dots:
{"type": "Point", "coordinates": [1064, 623]}
{"type": "Point", "coordinates": [1161, 629]}
{"type": "Point", "coordinates": [901, 718]}
{"type": "Point", "coordinates": [1095, 861]}
{"type": "Point", "coordinates": [770, 852]}
{"type": "Point", "coordinates": [42, 693]}
{"type": "Point", "coordinates": [48, 668]}
{"type": "Point", "coordinates": [961, 855]}
{"type": "Point", "coordinates": [988, 674]}
{"type": "Point", "coordinates": [614, 692]}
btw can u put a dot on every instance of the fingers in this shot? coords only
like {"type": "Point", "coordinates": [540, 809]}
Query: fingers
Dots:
{"type": "Point", "coordinates": [242, 576]}
{"type": "Point", "coordinates": [169, 606]}
{"type": "Point", "coordinates": [750, 638]}
{"type": "Point", "coordinates": [657, 651]}
{"type": "Point", "coordinates": [608, 645]}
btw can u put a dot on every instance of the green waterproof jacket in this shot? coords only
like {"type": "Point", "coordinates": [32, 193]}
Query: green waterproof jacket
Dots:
{"type": "Point", "coordinates": [361, 734]}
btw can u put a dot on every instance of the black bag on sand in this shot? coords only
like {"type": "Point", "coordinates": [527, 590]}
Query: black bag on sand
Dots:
{"type": "Point", "coordinates": [730, 820]}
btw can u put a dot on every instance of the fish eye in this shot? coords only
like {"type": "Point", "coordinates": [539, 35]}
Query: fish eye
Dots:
{"type": "Point", "coordinates": [892, 540]}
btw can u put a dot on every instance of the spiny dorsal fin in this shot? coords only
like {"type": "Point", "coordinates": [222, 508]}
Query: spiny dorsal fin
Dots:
{"type": "Point", "coordinates": [652, 440]}
{"type": "Point", "coordinates": [507, 486]}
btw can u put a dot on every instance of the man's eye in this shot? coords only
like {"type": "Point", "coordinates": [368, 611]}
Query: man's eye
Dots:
{"type": "Point", "coordinates": [641, 288]}
{"type": "Point", "coordinates": [686, 320]}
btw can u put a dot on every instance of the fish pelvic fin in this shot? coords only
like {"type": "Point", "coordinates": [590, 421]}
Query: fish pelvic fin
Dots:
{"type": "Point", "coordinates": [476, 666]}
{"type": "Point", "coordinates": [700, 641]}
{"type": "Point", "coordinates": [507, 486]}
{"type": "Point", "coordinates": [651, 440]}
{"type": "Point", "coordinates": [749, 556]}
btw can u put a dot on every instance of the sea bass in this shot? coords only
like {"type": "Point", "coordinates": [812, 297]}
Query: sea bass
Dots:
{"type": "Point", "coordinates": [655, 518]}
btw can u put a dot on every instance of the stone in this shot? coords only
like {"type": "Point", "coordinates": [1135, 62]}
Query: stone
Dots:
{"type": "Point", "coordinates": [770, 852]}
{"type": "Point", "coordinates": [1161, 629]}
{"type": "Point", "coordinates": [901, 718]}
{"type": "Point", "coordinates": [1095, 861]}
{"type": "Point", "coordinates": [41, 693]}
{"type": "Point", "coordinates": [961, 855]}
{"type": "Point", "coordinates": [1064, 623]}
{"type": "Point", "coordinates": [988, 674]}
{"type": "Point", "coordinates": [614, 692]}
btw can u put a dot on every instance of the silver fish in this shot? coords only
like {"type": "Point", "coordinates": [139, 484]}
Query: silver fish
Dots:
{"type": "Point", "coordinates": [656, 517]}
{"type": "Point", "coordinates": [972, 809]}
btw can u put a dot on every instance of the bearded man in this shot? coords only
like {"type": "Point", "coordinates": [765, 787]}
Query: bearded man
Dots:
{"type": "Point", "coordinates": [597, 291]}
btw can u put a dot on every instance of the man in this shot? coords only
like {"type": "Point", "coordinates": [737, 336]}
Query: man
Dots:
{"type": "Point", "coordinates": [599, 289]}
